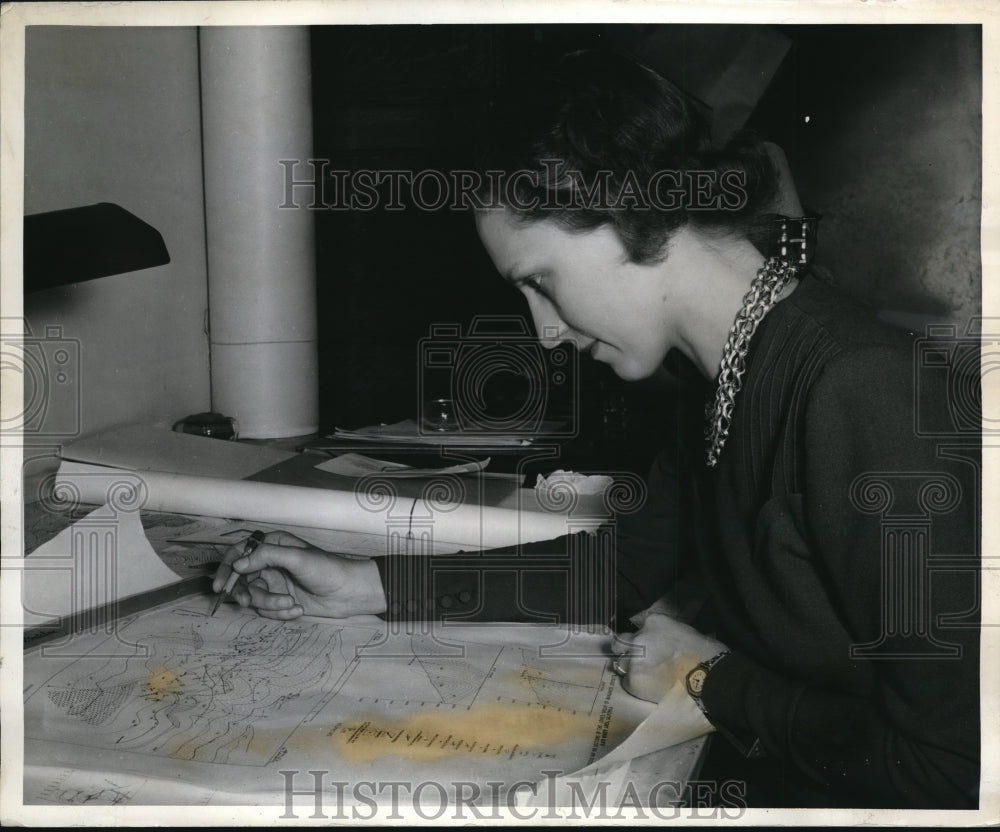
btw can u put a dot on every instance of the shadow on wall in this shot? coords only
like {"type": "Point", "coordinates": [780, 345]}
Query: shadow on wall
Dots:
{"type": "Point", "coordinates": [884, 135]}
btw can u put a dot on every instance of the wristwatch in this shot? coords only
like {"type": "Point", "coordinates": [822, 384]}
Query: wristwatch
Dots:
{"type": "Point", "coordinates": [696, 678]}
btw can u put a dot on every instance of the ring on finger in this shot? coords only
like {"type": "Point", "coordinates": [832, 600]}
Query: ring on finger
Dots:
{"type": "Point", "coordinates": [616, 666]}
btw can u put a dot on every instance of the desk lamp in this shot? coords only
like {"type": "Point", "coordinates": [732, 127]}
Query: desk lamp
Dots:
{"type": "Point", "coordinates": [78, 244]}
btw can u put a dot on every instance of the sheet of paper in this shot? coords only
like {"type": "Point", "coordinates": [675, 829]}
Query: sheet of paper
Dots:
{"type": "Point", "coordinates": [409, 432]}
{"type": "Point", "coordinates": [100, 558]}
{"type": "Point", "coordinates": [143, 448]}
{"type": "Point", "coordinates": [662, 740]}
{"type": "Point", "coordinates": [359, 465]}
{"type": "Point", "coordinates": [654, 779]}
{"type": "Point", "coordinates": [581, 484]}
{"type": "Point", "coordinates": [183, 558]}
{"type": "Point", "coordinates": [181, 707]}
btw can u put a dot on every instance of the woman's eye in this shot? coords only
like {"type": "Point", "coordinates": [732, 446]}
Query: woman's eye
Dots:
{"type": "Point", "coordinates": [534, 282]}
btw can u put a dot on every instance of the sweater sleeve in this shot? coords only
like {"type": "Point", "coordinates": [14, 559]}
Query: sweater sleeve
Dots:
{"type": "Point", "coordinates": [597, 579]}
{"type": "Point", "coordinates": [567, 579]}
{"type": "Point", "coordinates": [891, 525]}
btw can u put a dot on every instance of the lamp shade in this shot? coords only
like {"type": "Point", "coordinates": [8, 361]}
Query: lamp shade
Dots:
{"type": "Point", "coordinates": [85, 243]}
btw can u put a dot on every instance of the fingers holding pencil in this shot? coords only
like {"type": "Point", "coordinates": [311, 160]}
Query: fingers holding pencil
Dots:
{"type": "Point", "coordinates": [229, 581]}
{"type": "Point", "coordinates": [286, 577]}
{"type": "Point", "coordinates": [225, 570]}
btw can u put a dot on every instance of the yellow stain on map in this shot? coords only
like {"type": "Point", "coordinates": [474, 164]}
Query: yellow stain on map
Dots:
{"type": "Point", "coordinates": [431, 735]}
{"type": "Point", "coordinates": [162, 682]}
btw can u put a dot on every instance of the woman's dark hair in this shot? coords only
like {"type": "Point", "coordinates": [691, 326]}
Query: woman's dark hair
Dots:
{"type": "Point", "coordinates": [605, 141]}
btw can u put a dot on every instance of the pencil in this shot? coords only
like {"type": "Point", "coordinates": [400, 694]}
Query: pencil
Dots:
{"type": "Point", "coordinates": [252, 543]}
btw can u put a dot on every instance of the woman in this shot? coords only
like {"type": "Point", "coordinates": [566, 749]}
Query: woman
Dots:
{"type": "Point", "coordinates": [631, 237]}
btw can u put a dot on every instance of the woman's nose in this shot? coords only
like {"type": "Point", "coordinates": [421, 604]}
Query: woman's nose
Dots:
{"type": "Point", "coordinates": [552, 335]}
{"type": "Point", "coordinates": [548, 325]}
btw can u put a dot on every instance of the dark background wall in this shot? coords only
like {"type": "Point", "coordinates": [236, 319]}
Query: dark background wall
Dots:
{"type": "Point", "coordinates": [405, 98]}
{"type": "Point", "coordinates": [891, 156]}
{"type": "Point", "coordinates": [881, 126]}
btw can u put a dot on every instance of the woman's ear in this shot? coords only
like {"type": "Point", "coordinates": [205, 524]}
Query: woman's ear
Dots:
{"type": "Point", "coordinates": [787, 201]}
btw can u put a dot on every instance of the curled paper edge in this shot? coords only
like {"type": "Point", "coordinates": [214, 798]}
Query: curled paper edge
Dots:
{"type": "Point", "coordinates": [583, 484]}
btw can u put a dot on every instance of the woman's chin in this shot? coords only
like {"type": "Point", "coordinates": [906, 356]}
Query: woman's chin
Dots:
{"type": "Point", "coordinates": [627, 370]}
{"type": "Point", "coordinates": [623, 366]}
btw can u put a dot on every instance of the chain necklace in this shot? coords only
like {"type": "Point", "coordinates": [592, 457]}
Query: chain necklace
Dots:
{"type": "Point", "coordinates": [771, 279]}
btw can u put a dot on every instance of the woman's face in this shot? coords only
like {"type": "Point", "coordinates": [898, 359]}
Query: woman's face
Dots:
{"type": "Point", "coordinates": [581, 287]}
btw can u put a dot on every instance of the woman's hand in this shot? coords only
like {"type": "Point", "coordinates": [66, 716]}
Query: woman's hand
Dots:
{"type": "Point", "coordinates": [659, 657]}
{"type": "Point", "coordinates": [285, 577]}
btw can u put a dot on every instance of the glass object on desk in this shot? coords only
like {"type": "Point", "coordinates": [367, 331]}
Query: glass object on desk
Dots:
{"type": "Point", "coordinates": [615, 416]}
{"type": "Point", "coordinates": [439, 415]}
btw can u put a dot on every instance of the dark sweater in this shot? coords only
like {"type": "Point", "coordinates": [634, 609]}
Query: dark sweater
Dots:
{"type": "Point", "coordinates": [828, 565]}
{"type": "Point", "coordinates": [853, 697]}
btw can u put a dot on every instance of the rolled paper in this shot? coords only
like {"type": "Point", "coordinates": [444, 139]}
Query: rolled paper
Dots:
{"type": "Point", "coordinates": [257, 114]}
{"type": "Point", "coordinates": [245, 384]}
{"type": "Point", "coordinates": [376, 509]}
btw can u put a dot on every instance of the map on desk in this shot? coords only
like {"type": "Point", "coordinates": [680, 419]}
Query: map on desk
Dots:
{"type": "Point", "coordinates": [178, 707]}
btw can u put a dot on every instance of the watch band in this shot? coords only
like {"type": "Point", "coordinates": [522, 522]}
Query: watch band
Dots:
{"type": "Point", "coordinates": [748, 746]}
{"type": "Point", "coordinates": [695, 681]}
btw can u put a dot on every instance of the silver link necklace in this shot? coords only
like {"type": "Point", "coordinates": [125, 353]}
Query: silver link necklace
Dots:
{"type": "Point", "coordinates": [770, 281]}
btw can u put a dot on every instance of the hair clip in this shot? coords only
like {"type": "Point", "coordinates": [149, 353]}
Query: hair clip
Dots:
{"type": "Point", "coordinates": [797, 239]}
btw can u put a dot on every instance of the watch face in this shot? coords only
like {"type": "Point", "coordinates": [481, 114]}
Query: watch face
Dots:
{"type": "Point", "coordinates": [696, 680]}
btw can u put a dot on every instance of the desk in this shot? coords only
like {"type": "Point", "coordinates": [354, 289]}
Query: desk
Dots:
{"type": "Point", "coordinates": [172, 706]}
